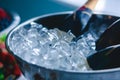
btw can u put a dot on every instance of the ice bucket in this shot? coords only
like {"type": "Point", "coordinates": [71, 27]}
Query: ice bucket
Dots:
{"type": "Point", "coordinates": [34, 72]}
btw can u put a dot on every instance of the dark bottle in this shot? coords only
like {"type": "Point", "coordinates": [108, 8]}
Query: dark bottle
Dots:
{"type": "Point", "coordinates": [77, 21]}
{"type": "Point", "coordinates": [108, 49]}
{"type": "Point", "coordinates": [107, 58]}
{"type": "Point", "coordinates": [110, 36]}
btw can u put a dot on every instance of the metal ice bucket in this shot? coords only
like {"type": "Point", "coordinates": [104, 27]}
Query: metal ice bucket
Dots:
{"type": "Point", "coordinates": [34, 72]}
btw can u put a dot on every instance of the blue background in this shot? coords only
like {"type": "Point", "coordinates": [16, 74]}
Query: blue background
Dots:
{"type": "Point", "coordinates": [31, 8]}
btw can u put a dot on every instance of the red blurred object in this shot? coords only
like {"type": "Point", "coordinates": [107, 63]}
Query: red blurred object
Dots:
{"type": "Point", "coordinates": [2, 45]}
{"type": "Point", "coordinates": [10, 67]}
{"type": "Point", "coordinates": [3, 14]}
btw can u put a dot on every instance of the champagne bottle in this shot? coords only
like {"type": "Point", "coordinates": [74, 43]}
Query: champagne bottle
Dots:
{"type": "Point", "coordinates": [77, 21]}
{"type": "Point", "coordinates": [108, 49]}
{"type": "Point", "coordinates": [110, 36]}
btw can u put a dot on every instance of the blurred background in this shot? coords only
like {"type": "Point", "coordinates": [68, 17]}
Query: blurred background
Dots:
{"type": "Point", "coordinates": [29, 8]}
